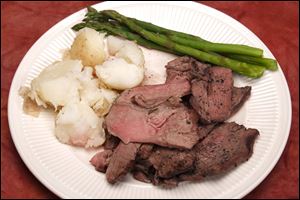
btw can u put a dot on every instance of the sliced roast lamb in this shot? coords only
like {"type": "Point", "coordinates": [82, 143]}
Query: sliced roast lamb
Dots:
{"type": "Point", "coordinates": [141, 176]}
{"type": "Point", "coordinates": [101, 160]}
{"type": "Point", "coordinates": [145, 151]}
{"type": "Point", "coordinates": [121, 161]}
{"type": "Point", "coordinates": [199, 73]}
{"type": "Point", "coordinates": [239, 96]}
{"type": "Point", "coordinates": [111, 142]}
{"type": "Point", "coordinates": [227, 146]}
{"type": "Point", "coordinates": [171, 162]}
{"type": "Point", "coordinates": [184, 68]}
{"type": "Point", "coordinates": [204, 130]}
{"type": "Point", "coordinates": [154, 114]}
{"type": "Point", "coordinates": [156, 132]}
{"type": "Point", "coordinates": [212, 97]}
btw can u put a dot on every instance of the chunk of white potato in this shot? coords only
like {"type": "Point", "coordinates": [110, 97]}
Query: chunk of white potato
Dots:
{"type": "Point", "coordinates": [120, 75]}
{"type": "Point", "coordinates": [102, 106]}
{"type": "Point", "coordinates": [57, 84]}
{"type": "Point", "coordinates": [110, 95]}
{"type": "Point", "coordinates": [91, 93]}
{"type": "Point", "coordinates": [29, 106]}
{"type": "Point", "coordinates": [77, 124]}
{"type": "Point", "coordinates": [114, 44]}
{"type": "Point", "coordinates": [131, 53]}
{"type": "Point", "coordinates": [88, 46]}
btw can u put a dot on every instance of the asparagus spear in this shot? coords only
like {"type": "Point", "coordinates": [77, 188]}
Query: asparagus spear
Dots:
{"type": "Point", "coordinates": [197, 42]}
{"type": "Point", "coordinates": [217, 47]}
{"type": "Point", "coordinates": [91, 9]}
{"type": "Point", "coordinates": [242, 68]}
{"type": "Point", "coordinates": [200, 43]}
{"type": "Point", "coordinates": [268, 63]}
{"type": "Point", "coordinates": [188, 40]}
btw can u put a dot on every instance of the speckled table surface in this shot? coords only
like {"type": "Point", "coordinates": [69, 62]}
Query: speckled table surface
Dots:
{"type": "Point", "coordinates": [275, 23]}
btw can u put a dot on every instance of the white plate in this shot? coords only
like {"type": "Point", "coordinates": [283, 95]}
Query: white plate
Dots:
{"type": "Point", "coordinates": [66, 171]}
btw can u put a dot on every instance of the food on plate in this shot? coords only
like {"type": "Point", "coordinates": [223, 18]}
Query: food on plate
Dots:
{"type": "Point", "coordinates": [100, 99]}
{"type": "Point", "coordinates": [187, 68]}
{"type": "Point", "coordinates": [88, 47]}
{"type": "Point", "coordinates": [46, 89]}
{"type": "Point", "coordinates": [78, 124]}
{"type": "Point", "coordinates": [168, 133]}
{"type": "Point", "coordinates": [131, 53]}
{"type": "Point", "coordinates": [119, 74]}
{"type": "Point", "coordinates": [114, 44]}
{"type": "Point", "coordinates": [74, 93]}
{"type": "Point", "coordinates": [226, 146]}
{"type": "Point", "coordinates": [80, 88]}
{"type": "Point", "coordinates": [154, 114]}
{"type": "Point", "coordinates": [128, 59]}
{"type": "Point", "coordinates": [242, 59]}
{"type": "Point", "coordinates": [213, 94]}
{"type": "Point", "coordinates": [123, 157]}
{"type": "Point", "coordinates": [29, 106]}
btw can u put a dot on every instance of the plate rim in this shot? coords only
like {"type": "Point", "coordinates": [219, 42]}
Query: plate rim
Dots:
{"type": "Point", "coordinates": [189, 5]}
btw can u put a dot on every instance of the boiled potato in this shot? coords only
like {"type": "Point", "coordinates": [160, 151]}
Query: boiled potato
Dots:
{"type": "Point", "coordinates": [131, 53]}
{"type": "Point", "coordinates": [88, 46]}
{"type": "Point", "coordinates": [110, 95]}
{"type": "Point", "coordinates": [29, 106]}
{"type": "Point", "coordinates": [57, 84]}
{"type": "Point", "coordinates": [119, 74]}
{"type": "Point", "coordinates": [114, 44]}
{"type": "Point", "coordinates": [97, 98]}
{"type": "Point", "coordinates": [77, 124]}
{"type": "Point", "coordinates": [125, 49]}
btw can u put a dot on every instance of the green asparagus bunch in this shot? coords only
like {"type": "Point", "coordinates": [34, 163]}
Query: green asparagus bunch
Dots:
{"type": "Point", "coordinates": [242, 59]}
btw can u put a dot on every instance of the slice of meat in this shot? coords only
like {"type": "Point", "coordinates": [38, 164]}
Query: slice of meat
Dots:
{"type": "Point", "coordinates": [239, 96]}
{"type": "Point", "coordinates": [101, 160]}
{"type": "Point", "coordinates": [141, 176]}
{"type": "Point", "coordinates": [121, 161]}
{"type": "Point", "coordinates": [145, 151]}
{"type": "Point", "coordinates": [174, 76]}
{"type": "Point", "coordinates": [198, 70]}
{"type": "Point", "coordinates": [153, 114]}
{"type": "Point", "coordinates": [143, 169]}
{"type": "Point", "coordinates": [227, 146]}
{"type": "Point", "coordinates": [144, 166]}
{"type": "Point", "coordinates": [166, 183]}
{"type": "Point", "coordinates": [184, 68]}
{"type": "Point", "coordinates": [149, 96]}
{"type": "Point", "coordinates": [182, 64]}
{"type": "Point", "coordinates": [179, 131]}
{"type": "Point", "coordinates": [212, 97]}
{"type": "Point", "coordinates": [173, 127]}
{"type": "Point", "coordinates": [187, 68]}
{"type": "Point", "coordinates": [171, 162]}
{"type": "Point", "coordinates": [111, 142]}
{"type": "Point", "coordinates": [204, 130]}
